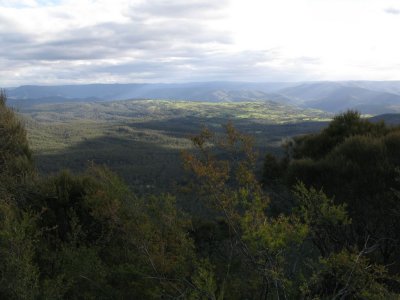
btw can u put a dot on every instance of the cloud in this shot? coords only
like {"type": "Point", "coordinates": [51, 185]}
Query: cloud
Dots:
{"type": "Point", "coordinates": [28, 3]}
{"type": "Point", "coordinates": [179, 9]}
{"type": "Point", "coordinates": [144, 38]}
{"type": "Point", "coordinates": [132, 34]}
{"type": "Point", "coordinates": [392, 11]}
{"type": "Point", "coordinates": [132, 39]}
{"type": "Point", "coordinates": [191, 65]}
{"type": "Point", "coordinates": [18, 4]}
{"type": "Point", "coordinates": [67, 41]}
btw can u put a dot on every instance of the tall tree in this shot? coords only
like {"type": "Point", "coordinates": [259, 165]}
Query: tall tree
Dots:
{"type": "Point", "coordinates": [16, 162]}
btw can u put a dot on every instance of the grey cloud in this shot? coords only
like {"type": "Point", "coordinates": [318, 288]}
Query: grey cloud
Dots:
{"type": "Point", "coordinates": [14, 38]}
{"type": "Point", "coordinates": [108, 40]}
{"type": "Point", "coordinates": [205, 66]}
{"type": "Point", "coordinates": [174, 46]}
{"type": "Point", "coordinates": [11, 33]}
{"type": "Point", "coordinates": [178, 9]}
{"type": "Point", "coordinates": [392, 11]}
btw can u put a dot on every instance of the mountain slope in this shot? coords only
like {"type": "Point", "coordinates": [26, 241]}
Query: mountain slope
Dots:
{"type": "Point", "coordinates": [210, 91]}
{"type": "Point", "coordinates": [391, 119]}
{"type": "Point", "coordinates": [392, 87]}
{"type": "Point", "coordinates": [368, 97]}
{"type": "Point", "coordinates": [338, 97]}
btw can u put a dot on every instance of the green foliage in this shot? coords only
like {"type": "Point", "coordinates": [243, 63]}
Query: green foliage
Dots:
{"type": "Point", "coordinates": [15, 156]}
{"type": "Point", "coordinates": [204, 282]}
{"type": "Point", "coordinates": [341, 271]}
{"type": "Point", "coordinates": [327, 222]}
{"type": "Point", "coordinates": [261, 247]}
{"type": "Point", "coordinates": [355, 161]}
{"type": "Point", "coordinates": [97, 232]}
{"type": "Point", "coordinates": [272, 169]}
{"type": "Point", "coordinates": [348, 275]}
{"type": "Point", "coordinates": [19, 239]}
{"type": "Point", "coordinates": [345, 125]}
{"type": "Point", "coordinates": [78, 273]}
{"type": "Point", "coordinates": [160, 234]}
{"type": "Point", "coordinates": [87, 236]}
{"type": "Point", "coordinates": [264, 233]}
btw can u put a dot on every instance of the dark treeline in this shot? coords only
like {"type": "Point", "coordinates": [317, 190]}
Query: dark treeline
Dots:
{"type": "Point", "coordinates": [321, 223]}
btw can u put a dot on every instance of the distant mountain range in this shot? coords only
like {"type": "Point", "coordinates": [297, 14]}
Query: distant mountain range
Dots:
{"type": "Point", "coordinates": [340, 96]}
{"type": "Point", "coordinates": [369, 97]}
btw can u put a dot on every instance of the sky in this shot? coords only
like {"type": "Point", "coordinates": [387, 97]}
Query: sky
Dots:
{"type": "Point", "coordinates": [53, 42]}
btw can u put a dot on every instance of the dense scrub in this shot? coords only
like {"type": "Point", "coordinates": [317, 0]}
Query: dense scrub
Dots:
{"type": "Point", "coordinates": [87, 236]}
{"type": "Point", "coordinates": [356, 163]}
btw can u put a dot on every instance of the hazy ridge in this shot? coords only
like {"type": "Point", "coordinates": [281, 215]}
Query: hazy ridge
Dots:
{"type": "Point", "coordinates": [369, 97]}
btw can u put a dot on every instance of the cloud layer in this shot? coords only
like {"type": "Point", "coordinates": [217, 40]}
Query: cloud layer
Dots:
{"type": "Point", "coordinates": [82, 41]}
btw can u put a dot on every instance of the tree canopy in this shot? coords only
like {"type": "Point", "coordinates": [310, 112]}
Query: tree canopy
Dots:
{"type": "Point", "coordinates": [87, 236]}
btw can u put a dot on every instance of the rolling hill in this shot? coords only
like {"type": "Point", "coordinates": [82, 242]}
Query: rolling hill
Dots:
{"type": "Point", "coordinates": [368, 97]}
{"type": "Point", "coordinates": [338, 97]}
{"type": "Point", "coordinates": [208, 91]}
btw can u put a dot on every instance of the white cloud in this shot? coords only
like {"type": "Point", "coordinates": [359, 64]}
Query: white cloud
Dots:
{"type": "Point", "coordinates": [62, 41]}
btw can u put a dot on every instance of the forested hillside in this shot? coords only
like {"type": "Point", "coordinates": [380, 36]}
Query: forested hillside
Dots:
{"type": "Point", "coordinates": [321, 223]}
{"type": "Point", "coordinates": [141, 140]}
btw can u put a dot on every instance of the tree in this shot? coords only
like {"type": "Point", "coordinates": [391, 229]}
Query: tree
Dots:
{"type": "Point", "coordinates": [84, 235]}
{"type": "Point", "coordinates": [354, 161]}
{"type": "Point", "coordinates": [262, 248]}
{"type": "Point", "coordinates": [16, 163]}
{"type": "Point", "coordinates": [102, 240]}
